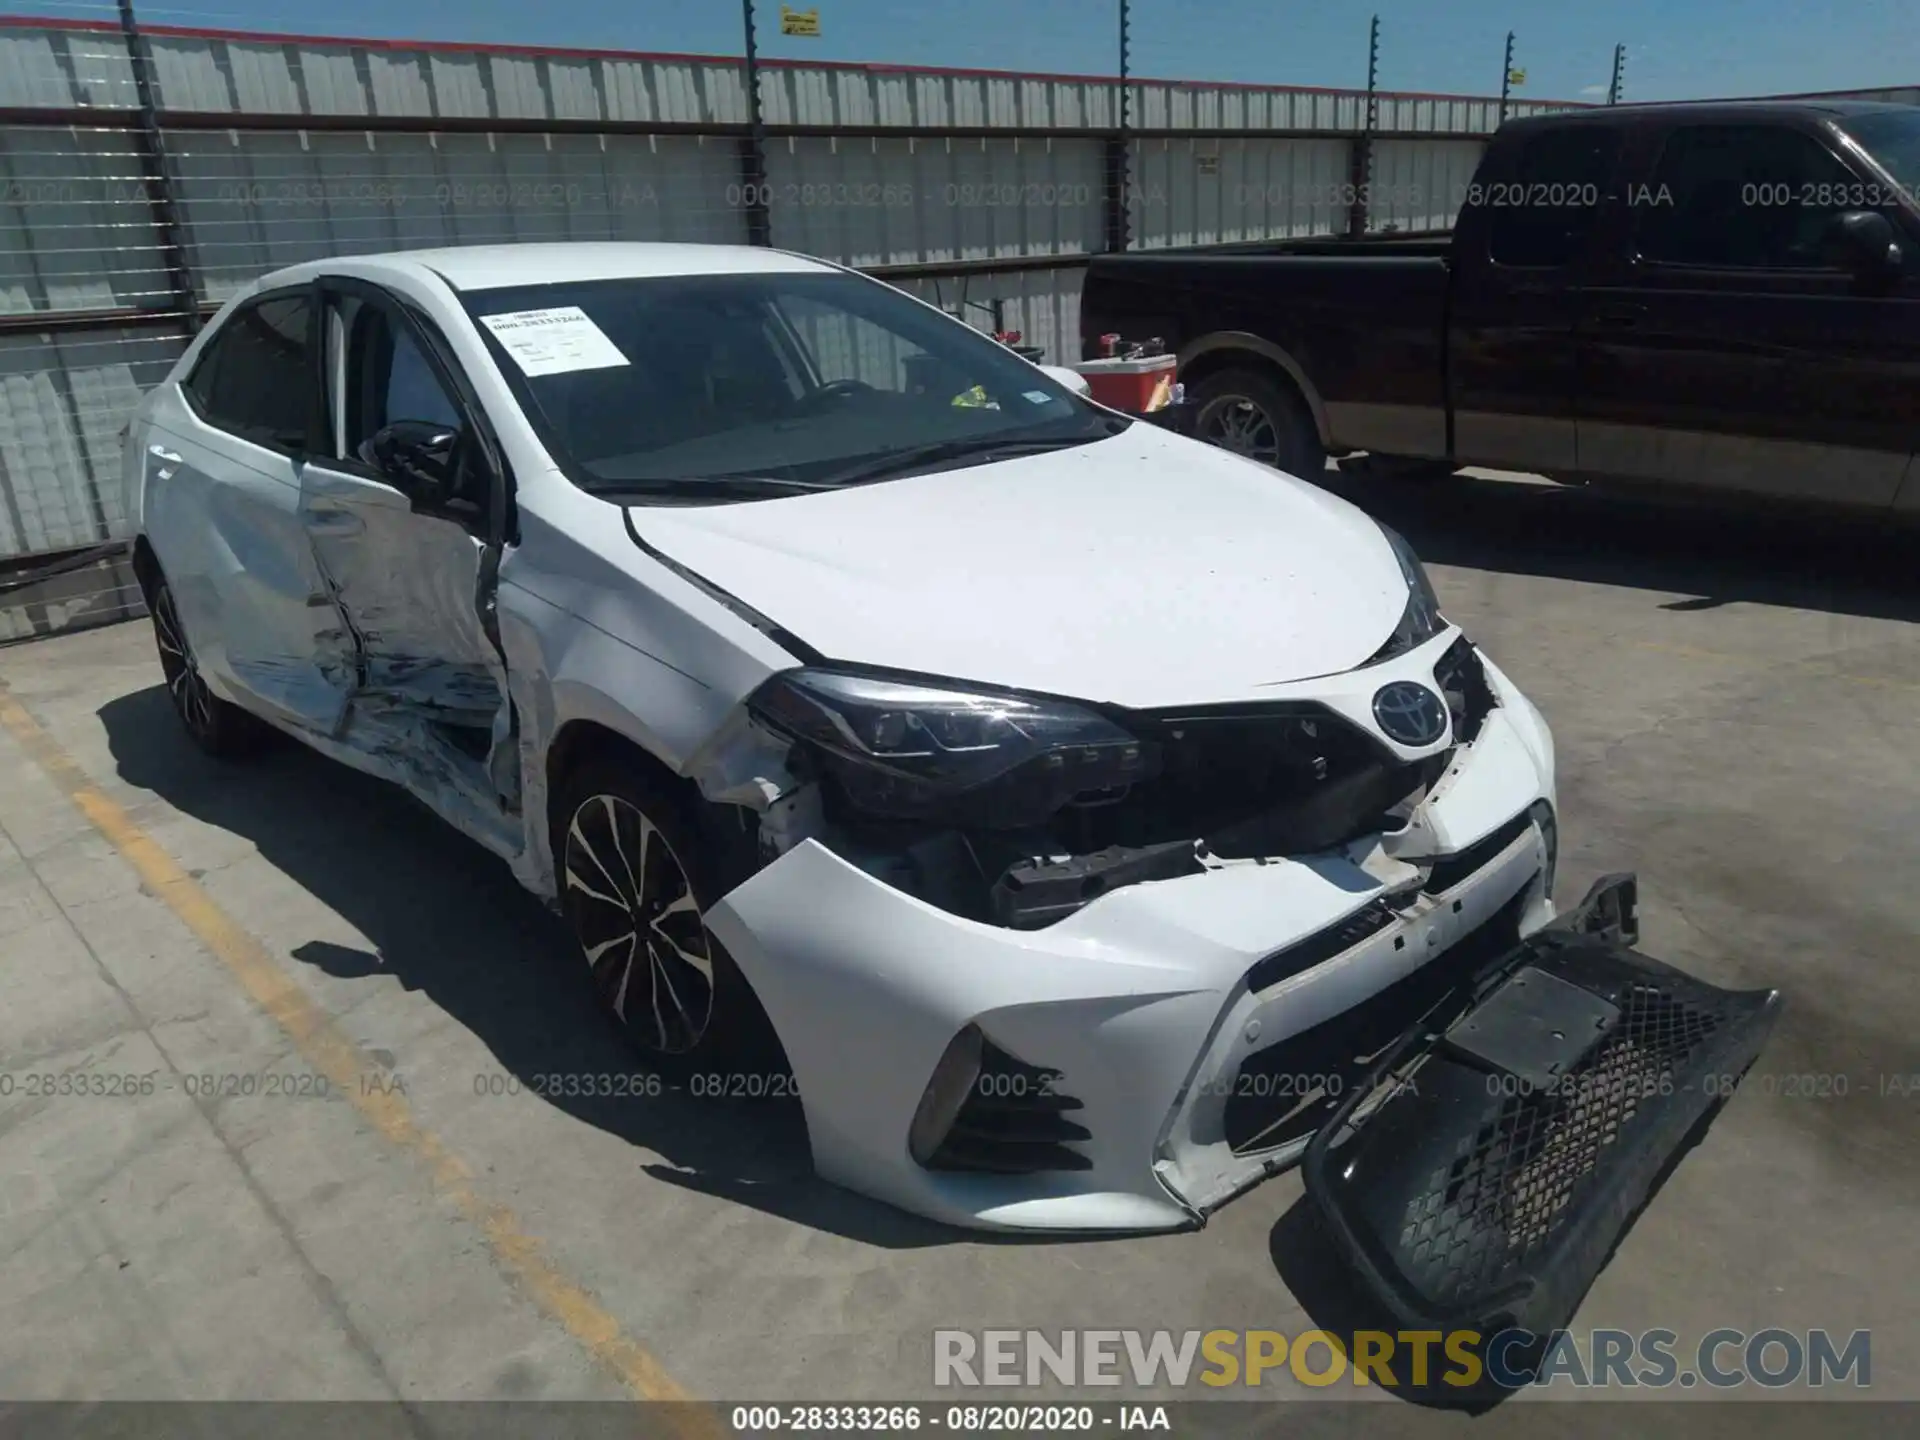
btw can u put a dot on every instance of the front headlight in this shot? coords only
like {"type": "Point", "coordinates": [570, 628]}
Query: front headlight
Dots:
{"type": "Point", "coordinates": [1421, 620]}
{"type": "Point", "coordinates": [920, 750]}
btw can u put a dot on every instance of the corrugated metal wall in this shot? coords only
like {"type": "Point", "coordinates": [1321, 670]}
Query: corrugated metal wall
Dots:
{"type": "Point", "coordinates": [873, 166]}
{"type": "Point", "coordinates": [75, 229]}
{"type": "Point", "coordinates": [878, 200]}
{"type": "Point", "coordinates": [63, 400]}
{"type": "Point", "coordinates": [254, 200]}
{"type": "Point", "coordinates": [1043, 305]}
{"type": "Point", "coordinates": [1420, 184]}
{"type": "Point", "coordinates": [206, 72]}
{"type": "Point", "coordinates": [1218, 190]}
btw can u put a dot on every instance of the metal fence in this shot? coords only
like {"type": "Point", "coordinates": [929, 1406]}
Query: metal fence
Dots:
{"type": "Point", "coordinates": [148, 173]}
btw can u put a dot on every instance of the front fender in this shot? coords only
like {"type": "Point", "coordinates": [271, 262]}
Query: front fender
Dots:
{"type": "Point", "coordinates": [597, 631]}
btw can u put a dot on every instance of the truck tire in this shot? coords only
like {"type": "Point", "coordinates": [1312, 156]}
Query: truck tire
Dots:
{"type": "Point", "coordinates": [1261, 417]}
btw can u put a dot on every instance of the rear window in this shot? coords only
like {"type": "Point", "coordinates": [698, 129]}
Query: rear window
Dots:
{"type": "Point", "coordinates": [255, 378]}
{"type": "Point", "coordinates": [1543, 209]}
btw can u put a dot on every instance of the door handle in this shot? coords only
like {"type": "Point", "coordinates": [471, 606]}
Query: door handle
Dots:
{"type": "Point", "coordinates": [162, 454]}
{"type": "Point", "coordinates": [1620, 317]}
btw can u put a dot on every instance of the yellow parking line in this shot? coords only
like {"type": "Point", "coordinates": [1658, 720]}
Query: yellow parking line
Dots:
{"type": "Point", "coordinates": [334, 1055]}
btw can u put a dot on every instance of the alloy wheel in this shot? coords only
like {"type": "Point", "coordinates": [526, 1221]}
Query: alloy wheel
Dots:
{"type": "Point", "coordinates": [638, 923]}
{"type": "Point", "coordinates": [1236, 424]}
{"type": "Point", "coordinates": [192, 700]}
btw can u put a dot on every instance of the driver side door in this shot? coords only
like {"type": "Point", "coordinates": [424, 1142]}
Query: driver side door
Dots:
{"type": "Point", "coordinates": [408, 557]}
{"type": "Point", "coordinates": [1726, 349]}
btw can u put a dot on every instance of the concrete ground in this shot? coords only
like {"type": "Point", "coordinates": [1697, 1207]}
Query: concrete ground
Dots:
{"type": "Point", "coordinates": [1733, 698]}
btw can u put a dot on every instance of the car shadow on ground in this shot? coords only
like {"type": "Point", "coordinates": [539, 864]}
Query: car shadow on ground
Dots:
{"type": "Point", "coordinates": [448, 919]}
{"type": "Point", "coordinates": [1712, 554]}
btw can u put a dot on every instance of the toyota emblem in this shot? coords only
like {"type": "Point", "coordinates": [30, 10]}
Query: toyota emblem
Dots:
{"type": "Point", "coordinates": [1410, 714]}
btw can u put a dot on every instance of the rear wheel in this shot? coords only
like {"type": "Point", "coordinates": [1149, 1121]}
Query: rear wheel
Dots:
{"type": "Point", "coordinates": [215, 725]}
{"type": "Point", "coordinates": [635, 881]}
{"type": "Point", "coordinates": [1261, 417]}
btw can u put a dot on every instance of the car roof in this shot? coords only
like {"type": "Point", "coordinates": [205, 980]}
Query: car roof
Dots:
{"type": "Point", "coordinates": [493, 267]}
{"type": "Point", "coordinates": [1711, 110]}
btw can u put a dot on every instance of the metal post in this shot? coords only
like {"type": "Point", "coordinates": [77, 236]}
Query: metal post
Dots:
{"type": "Point", "coordinates": [1119, 146]}
{"type": "Point", "coordinates": [753, 148]}
{"type": "Point", "coordinates": [152, 147]}
{"type": "Point", "coordinates": [1506, 78]}
{"type": "Point", "coordinates": [1619, 70]}
{"type": "Point", "coordinates": [1362, 170]}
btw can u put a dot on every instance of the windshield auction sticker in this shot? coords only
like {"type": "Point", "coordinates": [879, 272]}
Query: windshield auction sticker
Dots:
{"type": "Point", "coordinates": [552, 342]}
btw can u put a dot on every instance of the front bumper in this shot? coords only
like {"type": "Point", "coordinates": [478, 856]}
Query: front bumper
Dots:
{"type": "Point", "coordinates": [1189, 1018]}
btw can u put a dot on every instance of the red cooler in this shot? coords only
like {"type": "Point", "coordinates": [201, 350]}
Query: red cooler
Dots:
{"type": "Point", "coordinates": [1138, 386]}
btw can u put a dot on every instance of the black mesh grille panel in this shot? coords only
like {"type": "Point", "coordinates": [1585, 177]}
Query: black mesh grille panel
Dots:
{"type": "Point", "coordinates": [1480, 1189]}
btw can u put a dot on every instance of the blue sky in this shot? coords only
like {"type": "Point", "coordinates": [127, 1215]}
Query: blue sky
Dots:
{"type": "Point", "coordinates": [1675, 48]}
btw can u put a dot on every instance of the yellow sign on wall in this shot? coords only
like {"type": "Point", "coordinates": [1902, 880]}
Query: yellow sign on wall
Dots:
{"type": "Point", "coordinates": [799, 22]}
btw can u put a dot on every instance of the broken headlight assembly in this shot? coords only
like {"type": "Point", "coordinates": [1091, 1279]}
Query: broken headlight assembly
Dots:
{"type": "Point", "coordinates": [1421, 620]}
{"type": "Point", "coordinates": [921, 750]}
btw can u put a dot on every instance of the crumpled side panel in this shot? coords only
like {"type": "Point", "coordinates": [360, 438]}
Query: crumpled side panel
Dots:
{"type": "Point", "coordinates": [428, 708]}
{"type": "Point", "coordinates": [393, 742]}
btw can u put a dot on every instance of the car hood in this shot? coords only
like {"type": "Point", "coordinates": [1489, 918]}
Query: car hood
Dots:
{"type": "Point", "coordinates": [1142, 570]}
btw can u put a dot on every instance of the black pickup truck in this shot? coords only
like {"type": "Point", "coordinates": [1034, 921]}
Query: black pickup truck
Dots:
{"type": "Point", "coordinates": [1719, 296]}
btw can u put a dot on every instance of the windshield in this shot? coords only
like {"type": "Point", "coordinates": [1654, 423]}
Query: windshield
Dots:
{"type": "Point", "coordinates": [680, 385]}
{"type": "Point", "coordinates": [1892, 138]}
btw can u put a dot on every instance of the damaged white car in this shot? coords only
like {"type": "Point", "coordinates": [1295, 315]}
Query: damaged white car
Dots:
{"type": "Point", "coordinates": [1044, 782]}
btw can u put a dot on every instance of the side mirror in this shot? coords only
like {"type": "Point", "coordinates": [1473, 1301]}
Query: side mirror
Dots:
{"type": "Point", "coordinates": [416, 456]}
{"type": "Point", "coordinates": [1864, 243]}
{"type": "Point", "coordinates": [1072, 379]}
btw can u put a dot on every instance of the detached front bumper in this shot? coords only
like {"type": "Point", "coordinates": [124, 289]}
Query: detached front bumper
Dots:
{"type": "Point", "coordinates": [1159, 1050]}
{"type": "Point", "coordinates": [1481, 1176]}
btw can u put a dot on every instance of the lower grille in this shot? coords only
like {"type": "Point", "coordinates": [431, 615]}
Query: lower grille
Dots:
{"type": "Point", "coordinates": [1284, 1093]}
{"type": "Point", "coordinates": [1014, 1121]}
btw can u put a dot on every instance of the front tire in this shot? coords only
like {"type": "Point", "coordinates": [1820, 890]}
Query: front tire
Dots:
{"type": "Point", "coordinates": [635, 879]}
{"type": "Point", "coordinates": [218, 727]}
{"type": "Point", "coordinates": [1261, 417]}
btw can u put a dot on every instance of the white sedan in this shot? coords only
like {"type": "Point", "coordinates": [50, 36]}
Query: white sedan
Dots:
{"type": "Point", "coordinates": [1022, 785]}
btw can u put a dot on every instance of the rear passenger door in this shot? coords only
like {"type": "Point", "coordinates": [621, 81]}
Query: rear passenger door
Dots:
{"type": "Point", "coordinates": [1518, 268]}
{"type": "Point", "coordinates": [1725, 351]}
{"type": "Point", "coordinates": [222, 458]}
